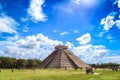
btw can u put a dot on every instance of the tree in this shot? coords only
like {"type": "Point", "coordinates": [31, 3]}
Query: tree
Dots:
{"type": "Point", "coordinates": [0, 63]}
{"type": "Point", "coordinates": [21, 63]}
{"type": "Point", "coordinates": [7, 62]}
{"type": "Point", "coordinates": [31, 63]}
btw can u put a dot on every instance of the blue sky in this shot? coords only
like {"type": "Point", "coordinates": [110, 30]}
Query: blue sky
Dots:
{"type": "Point", "coordinates": [32, 28]}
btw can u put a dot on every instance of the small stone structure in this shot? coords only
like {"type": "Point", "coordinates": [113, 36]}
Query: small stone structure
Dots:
{"type": "Point", "coordinates": [62, 58]}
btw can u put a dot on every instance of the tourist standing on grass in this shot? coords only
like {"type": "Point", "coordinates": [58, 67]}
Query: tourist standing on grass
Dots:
{"type": "Point", "coordinates": [12, 70]}
{"type": "Point", "coordinates": [116, 68]}
{"type": "Point", "coordinates": [0, 70]}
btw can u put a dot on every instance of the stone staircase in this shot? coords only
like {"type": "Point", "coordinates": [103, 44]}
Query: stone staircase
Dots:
{"type": "Point", "coordinates": [48, 60]}
{"type": "Point", "coordinates": [65, 61]}
{"type": "Point", "coordinates": [55, 62]}
{"type": "Point", "coordinates": [75, 59]}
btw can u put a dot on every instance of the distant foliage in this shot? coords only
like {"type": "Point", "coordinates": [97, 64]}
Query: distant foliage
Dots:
{"type": "Point", "coordinates": [7, 62]}
{"type": "Point", "coordinates": [105, 65]}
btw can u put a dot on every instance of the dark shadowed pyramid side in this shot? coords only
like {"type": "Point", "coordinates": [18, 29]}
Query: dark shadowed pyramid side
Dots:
{"type": "Point", "coordinates": [62, 58]}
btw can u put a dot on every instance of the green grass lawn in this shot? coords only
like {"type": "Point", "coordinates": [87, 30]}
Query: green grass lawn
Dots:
{"type": "Point", "coordinates": [58, 74]}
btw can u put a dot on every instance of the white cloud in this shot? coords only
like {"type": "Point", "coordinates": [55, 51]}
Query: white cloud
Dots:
{"type": "Point", "coordinates": [77, 2]}
{"type": "Point", "coordinates": [84, 39]}
{"type": "Point", "coordinates": [7, 24]}
{"type": "Point", "coordinates": [118, 23]}
{"type": "Point", "coordinates": [35, 11]}
{"type": "Point", "coordinates": [89, 53]}
{"type": "Point", "coordinates": [108, 22]}
{"type": "Point", "coordinates": [36, 46]}
{"type": "Point", "coordinates": [14, 38]}
{"type": "Point", "coordinates": [100, 51]}
{"type": "Point", "coordinates": [114, 59]}
{"type": "Point", "coordinates": [64, 33]}
{"type": "Point", "coordinates": [118, 3]}
{"type": "Point", "coordinates": [94, 53]}
{"type": "Point", "coordinates": [40, 46]}
{"type": "Point", "coordinates": [71, 46]}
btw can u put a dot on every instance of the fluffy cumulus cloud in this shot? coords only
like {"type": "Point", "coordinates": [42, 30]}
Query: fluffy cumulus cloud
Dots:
{"type": "Point", "coordinates": [36, 46]}
{"type": "Point", "coordinates": [35, 11]}
{"type": "Point", "coordinates": [108, 22]}
{"type": "Point", "coordinates": [84, 39]}
{"type": "Point", "coordinates": [7, 24]}
{"type": "Point", "coordinates": [89, 53]}
{"type": "Point", "coordinates": [40, 46]}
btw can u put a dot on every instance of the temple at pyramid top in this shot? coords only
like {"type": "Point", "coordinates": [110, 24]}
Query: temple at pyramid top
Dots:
{"type": "Point", "coordinates": [61, 57]}
{"type": "Point", "coordinates": [59, 47]}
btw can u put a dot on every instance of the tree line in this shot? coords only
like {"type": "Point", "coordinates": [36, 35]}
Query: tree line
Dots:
{"type": "Point", "coordinates": [105, 65]}
{"type": "Point", "coordinates": [8, 63]}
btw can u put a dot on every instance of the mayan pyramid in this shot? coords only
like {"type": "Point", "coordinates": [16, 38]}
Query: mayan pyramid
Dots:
{"type": "Point", "coordinates": [62, 58]}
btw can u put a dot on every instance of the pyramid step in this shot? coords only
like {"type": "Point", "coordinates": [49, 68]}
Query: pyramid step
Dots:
{"type": "Point", "coordinates": [76, 60]}
{"type": "Point", "coordinates": [62, 58]}
{"type": "Point", "coordinates": [48, 59]}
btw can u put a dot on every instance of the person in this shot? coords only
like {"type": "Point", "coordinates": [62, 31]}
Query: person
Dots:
{"type": "Point", "coordinates": [65, 68]}
{"type": "Point", "coordinates": [113, 68]}
{"type": "Point", "coordinates": [116, 69]}
{"type": "Point", "coordinates": [12, 70]}
{"type": "Point", "coordinates": [0, 70]}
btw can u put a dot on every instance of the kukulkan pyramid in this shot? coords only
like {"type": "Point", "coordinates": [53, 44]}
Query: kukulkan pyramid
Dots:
{"type": "Point", "coordinates": [62, 58]}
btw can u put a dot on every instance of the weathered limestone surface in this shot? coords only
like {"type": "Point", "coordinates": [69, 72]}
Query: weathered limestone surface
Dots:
{"type": "Point", "coordinates": [62, 58]}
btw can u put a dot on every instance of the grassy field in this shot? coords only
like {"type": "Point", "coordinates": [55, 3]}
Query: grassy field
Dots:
{"type": "Point", "coordinates": [58, 74]}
